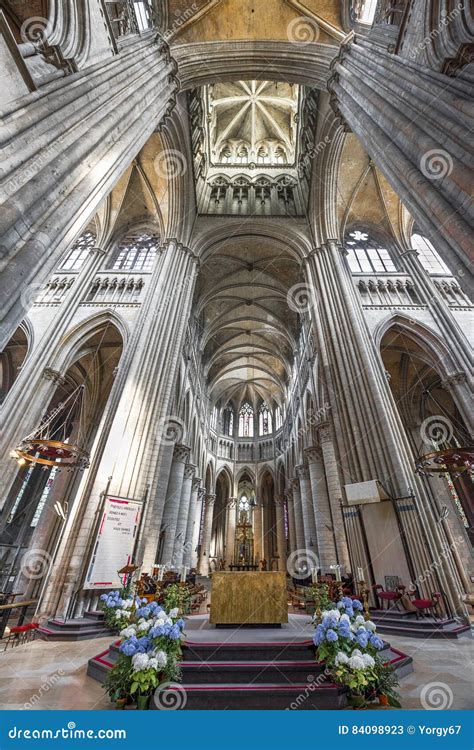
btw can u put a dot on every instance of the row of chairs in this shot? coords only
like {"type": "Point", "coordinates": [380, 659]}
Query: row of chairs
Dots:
{"type": "Point", "coordinates": [19, 634]}
{"type": "Point", "coordinates": [422, 606]}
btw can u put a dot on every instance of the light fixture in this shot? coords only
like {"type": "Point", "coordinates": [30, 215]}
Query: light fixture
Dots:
{"type": "Point", "coordinates": [48, 444]}
{"type": "Point", "coordinates": [452, 461]}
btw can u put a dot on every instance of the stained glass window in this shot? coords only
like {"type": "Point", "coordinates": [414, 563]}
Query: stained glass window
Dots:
{"type": "Point", "coordinates": [265, 426]}
{"type": "Point", "coordinates": [366, 255]}
{"type": "Point", "coordinates": [429, 258]}
{"type": "Point", "coordinates": [246, 420]}
{"type": "Point", "coordinates": [136, 253]}
{"type": "Point", "coordinates": [79, 252]}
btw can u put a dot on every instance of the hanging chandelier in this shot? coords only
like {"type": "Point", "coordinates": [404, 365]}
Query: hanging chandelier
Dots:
{"type": "Point", "coordinates": [49, 444]}
{"type": "Point", "coordinates": [452, 461]}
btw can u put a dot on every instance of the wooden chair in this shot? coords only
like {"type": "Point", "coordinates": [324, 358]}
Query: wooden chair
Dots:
{"type": "Point", "coordinates": [391, 597]}
{"type": "Point", "coordinates": [426, 605]}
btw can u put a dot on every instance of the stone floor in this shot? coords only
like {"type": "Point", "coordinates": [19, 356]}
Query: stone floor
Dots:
{"type": "Point", "coordinates": [52, 675]}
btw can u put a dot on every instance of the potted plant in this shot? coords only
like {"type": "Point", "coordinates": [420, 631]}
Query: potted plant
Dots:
{"type": "Point", "coordinates": [118, 682]}
{"type": "Point", "coordinates": [145, 676]}
{"type": "Point", "coordinates": [385, 684]}
{"type": "Point", "coordinates": [357, 672]}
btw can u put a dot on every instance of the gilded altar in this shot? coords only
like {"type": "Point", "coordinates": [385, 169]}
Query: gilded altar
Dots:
{"type": "Point", "coordinates": [248, 598]}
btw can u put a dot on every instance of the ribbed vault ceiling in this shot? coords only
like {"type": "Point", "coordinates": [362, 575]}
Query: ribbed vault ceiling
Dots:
{"type": "Point", "coordinates": [248, 329]}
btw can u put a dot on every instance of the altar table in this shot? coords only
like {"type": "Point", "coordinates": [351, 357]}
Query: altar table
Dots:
{"type": "Point", "coordinates": [248, 598]}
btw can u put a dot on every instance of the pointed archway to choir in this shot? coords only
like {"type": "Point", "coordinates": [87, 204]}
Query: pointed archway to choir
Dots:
{"type": "Point", "coordinates": [28, 520]}
{"type": "Point", "coordinates": [431, 399]}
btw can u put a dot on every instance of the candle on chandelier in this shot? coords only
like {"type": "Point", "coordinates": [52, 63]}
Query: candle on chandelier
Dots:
{"type": "Point", "coordinates": [360, 574]}
{"type": "Point", "coordinates": [314, 575]}
{"type": "Point", "coordinates": [184, 570]}
{"type": "Point", "coordinates": [160, 572]}
{"type": "Point", "coordinates": [338, 573]}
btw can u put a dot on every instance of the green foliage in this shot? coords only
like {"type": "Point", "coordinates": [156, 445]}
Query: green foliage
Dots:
{"type": "Point", "coordinates": [321, 593]}
{"type": "Point", "coordinates": [386, 681]}
{"type": "Point", "coordinates": [144, 682]}
{"type": "Point", "coordinates": [118, 681]}
{"type": "Point", "coordinates": [177, 595]}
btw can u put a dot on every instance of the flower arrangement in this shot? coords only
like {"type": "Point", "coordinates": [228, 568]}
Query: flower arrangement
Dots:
{"type": "Point", "coordinates": [150, 651]}
{"type": "Point", "coordinates": [119, 608]}
{"type": "Point", "coordinates": [349, 644]}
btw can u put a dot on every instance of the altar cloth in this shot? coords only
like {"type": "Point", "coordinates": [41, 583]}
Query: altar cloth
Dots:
{"type": "Point", "coordinates": [248, 598]}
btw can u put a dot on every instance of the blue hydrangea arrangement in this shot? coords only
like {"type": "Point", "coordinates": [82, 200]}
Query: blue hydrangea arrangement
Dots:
{"type": "Point", "coordinates": [151, 643]}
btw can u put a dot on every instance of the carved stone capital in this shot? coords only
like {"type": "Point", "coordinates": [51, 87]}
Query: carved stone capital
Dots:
{"type": "Point", "coordinates": [457, 378]}
{"type": "Point", "coordinates": [324, 431]}
{"type": "Point", "coordinates": [201, 493]}
{"type": "Point", "coordinates": [313, 454]}
{"type": "Point", "coordinates": [97, 251]}
{"type": "Point", "coordinates": [50, 374]}
{"type": "Point", "coordinates": [181, 453]}
{"type": "Point", "coordinates": [210, 498]}
{"type": "Point", "coordinates": [302, 471]}
{"type": "Point", "coordinates": [196, 483]}
{"type": "Point", "coordinates": [189, 471]}
{"type": "Point", "coordinates": [295, 485]}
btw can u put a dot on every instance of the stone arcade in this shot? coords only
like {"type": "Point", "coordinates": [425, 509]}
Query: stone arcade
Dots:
{"type": "Point", "coordinates": [235, 276]}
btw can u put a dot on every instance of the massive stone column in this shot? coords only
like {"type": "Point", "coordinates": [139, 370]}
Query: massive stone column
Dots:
{"type": "Point", "coordinates": [203, 562]}
{"type": "Point", "coordinates": [334, 492]}
{"type": "Point", "coordinates": [415, 124]}
{"type": "Point", "coordinates": [280, 531]}
{"type": "Point", "coordinates": [372, 443]}
{"type": "Point", "coordinates": [230, 530]}
{"type": "Point", "coordinates": [190, 523]}
{"type": "Point", "coordinates": [307, 507]}
{"type": "Point", "coordinates": [65, 148]}
{"type": "Point", "coordinates": [258, 534]}
{"type": "Point", "coordinates": [322, 511]}
{"type": "Point", "coordinates": [298, 514]}
{"type": "Point", "coordinates": [291, 520]}
{"type": "Point", "coordinates": [197, 531]}
{"type": "Point", "coordinates": [171, 509]}
{"type": "Point", "coordinates": [132, 453]}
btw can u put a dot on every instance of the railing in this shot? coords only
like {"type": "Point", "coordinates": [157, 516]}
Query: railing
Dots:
{"type": "Point", "coordinates": [117, 288]}
{"type": "Point", "coordinates": [54, 292]}
{"type": "Point", "coordinates": [450, 291]}
{"type": "Point", "coordinates": [109, 288]}
{"type": "Point", "coordinates": [237, 449]}
{"type": "Point", "coordinates": [386, 290]}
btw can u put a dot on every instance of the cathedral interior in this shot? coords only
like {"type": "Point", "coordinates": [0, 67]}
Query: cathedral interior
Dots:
{"type": "Point", "coordinates": [236, 284]}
